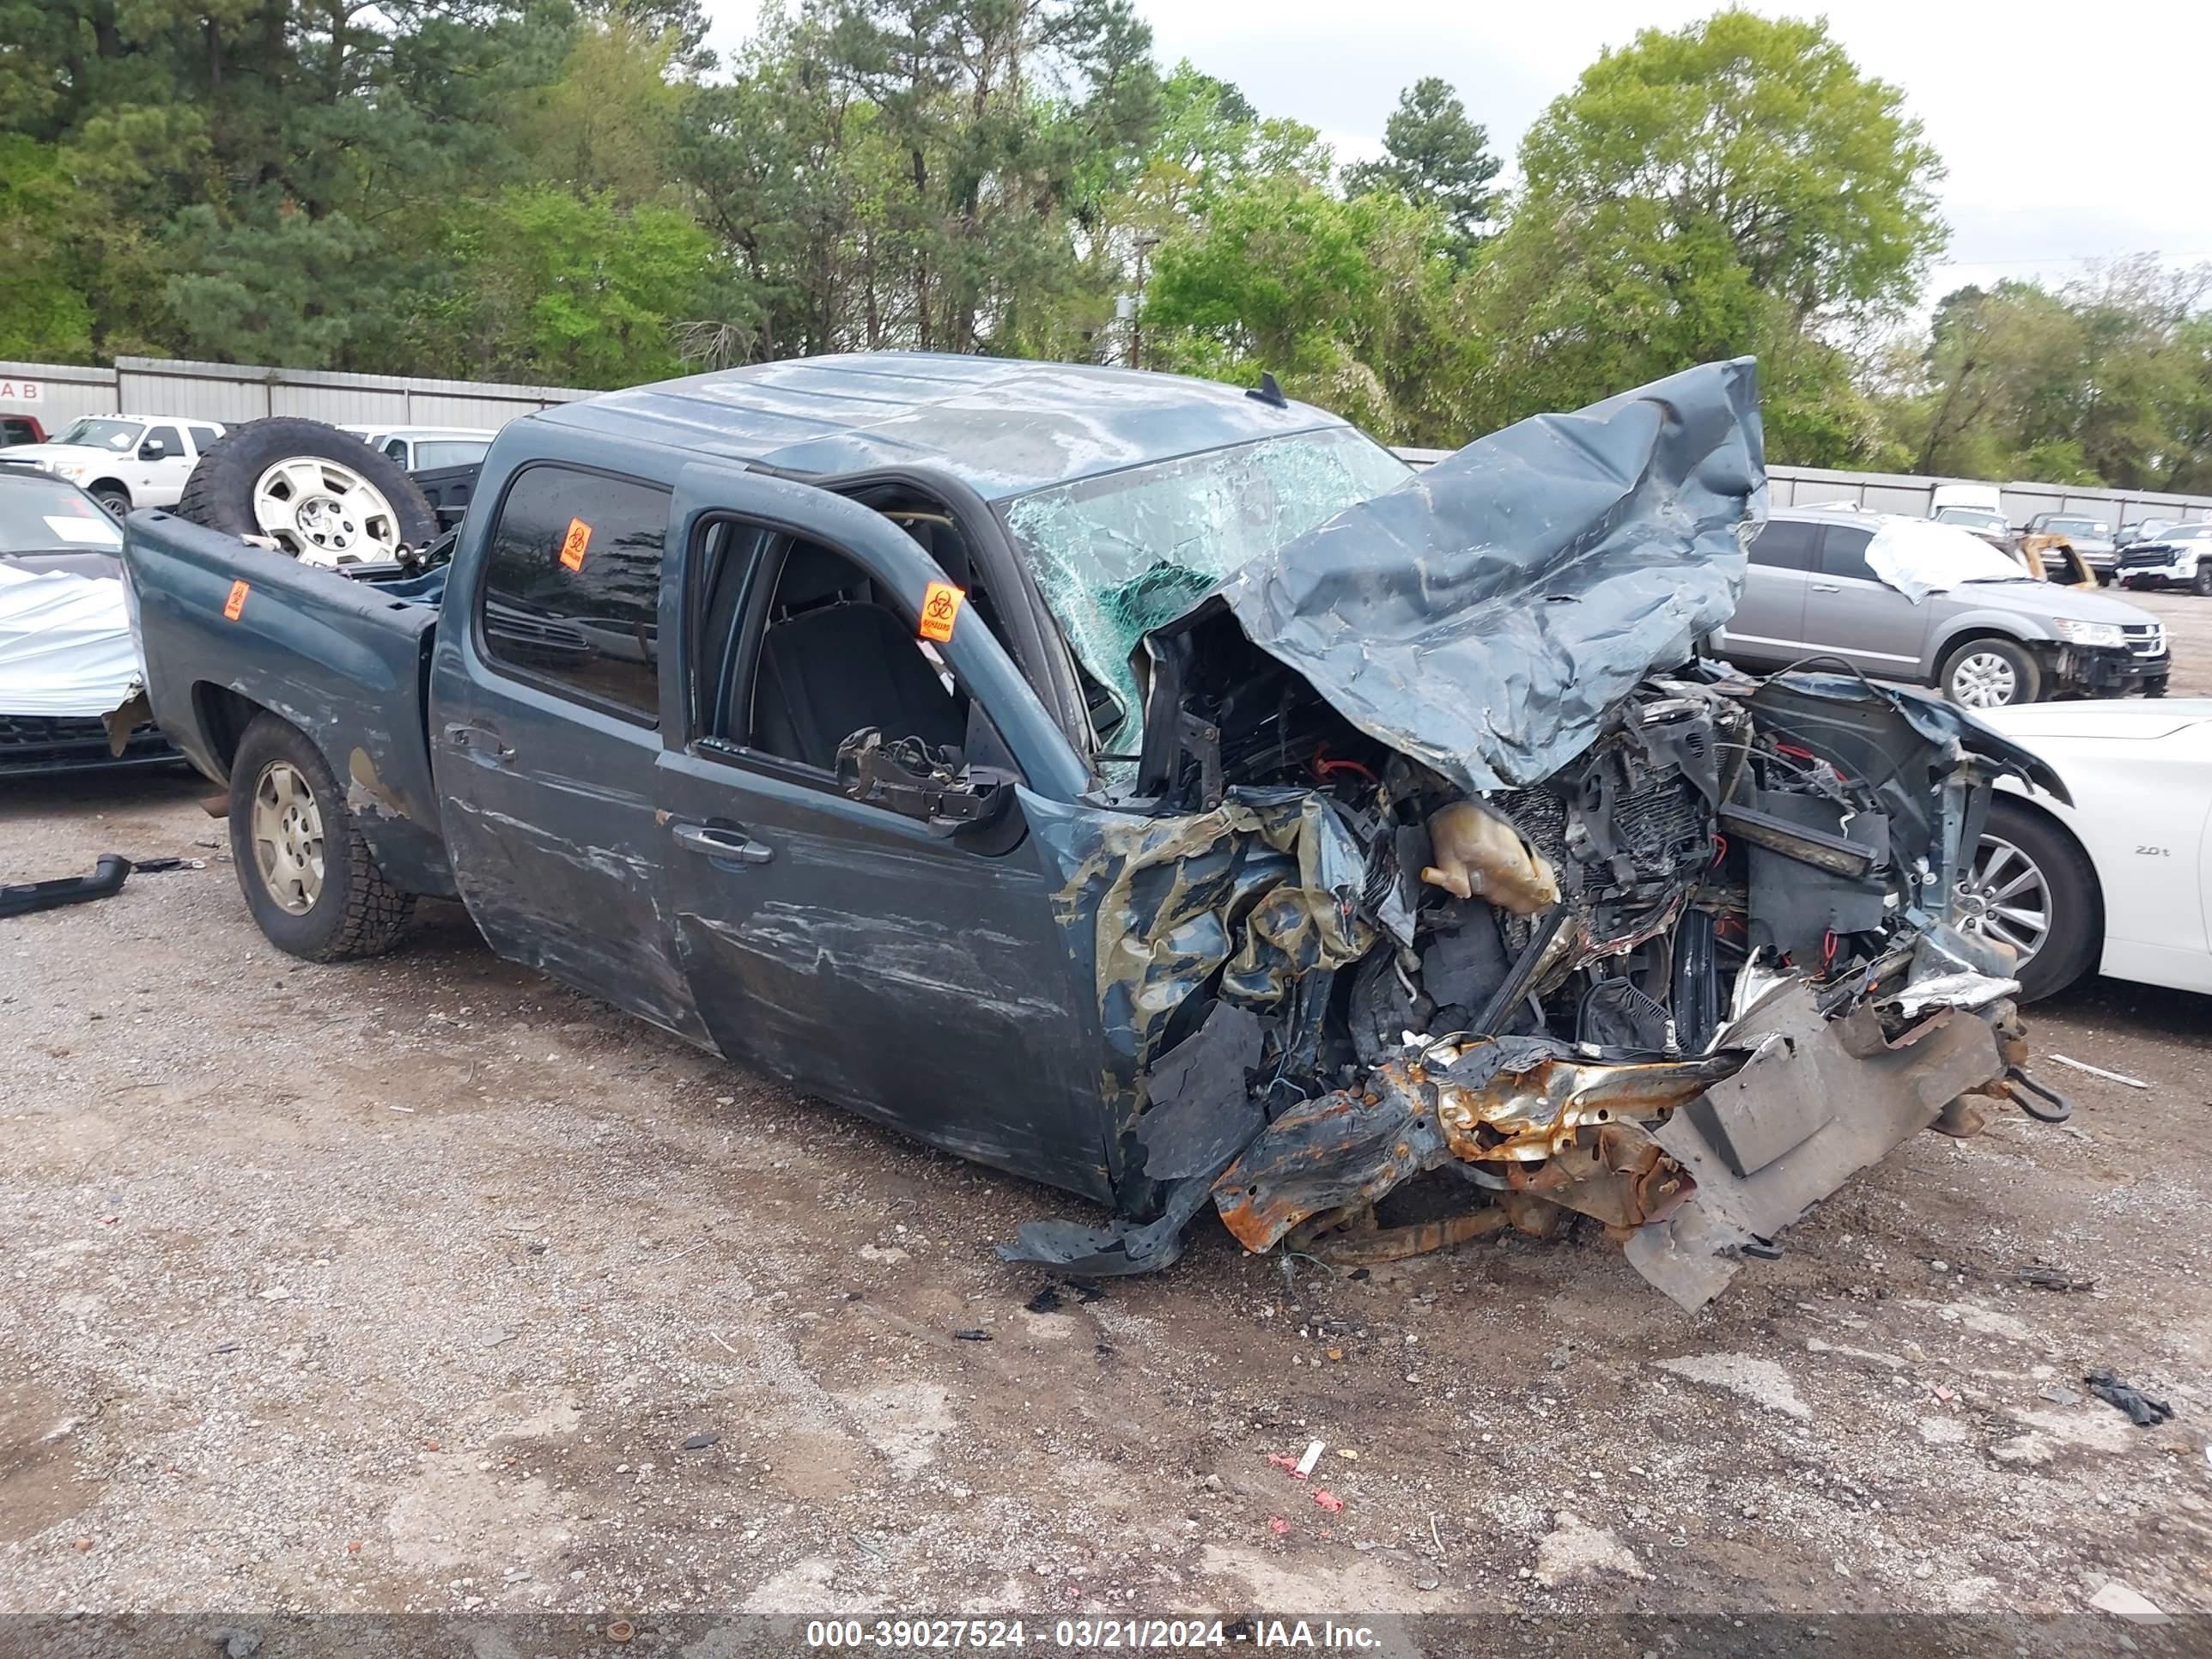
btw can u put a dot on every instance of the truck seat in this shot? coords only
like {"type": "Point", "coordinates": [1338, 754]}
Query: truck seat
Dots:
{"type": "Point", "coordinates": [826, 673]}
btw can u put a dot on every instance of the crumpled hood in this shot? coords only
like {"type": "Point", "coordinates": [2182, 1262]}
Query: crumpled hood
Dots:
{"type": "Point", "coordinates": [1483, 618]}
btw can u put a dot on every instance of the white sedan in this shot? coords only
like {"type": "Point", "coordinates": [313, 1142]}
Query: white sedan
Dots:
{"type": "Point", "coordinates": [2119, 881]}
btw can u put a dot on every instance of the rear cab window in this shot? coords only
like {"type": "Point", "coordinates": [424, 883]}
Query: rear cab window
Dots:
{"type": "Point", "coordinates": [204, 438]}
{"type": "Point", "coordinates": [571, 594]}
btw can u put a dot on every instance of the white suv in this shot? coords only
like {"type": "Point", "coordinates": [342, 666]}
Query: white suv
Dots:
{"type": "Point", "coordinates": [124, 461]}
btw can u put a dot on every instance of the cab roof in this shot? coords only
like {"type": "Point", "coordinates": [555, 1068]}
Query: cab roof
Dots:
{"type": "Point", "coordinates": [1004, 427]}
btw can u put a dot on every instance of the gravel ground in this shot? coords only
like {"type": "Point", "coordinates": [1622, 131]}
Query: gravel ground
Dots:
{"type": "Point", "coordinates": [426, 1284]}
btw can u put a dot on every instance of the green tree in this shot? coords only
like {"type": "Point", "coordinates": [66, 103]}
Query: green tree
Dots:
{"type": "Point", "coordinates": [43, 315]}
{"type": "Point", "coordinates": [607, 120]}
{"type": "Point", "coordinates": [1737, 186]}
{"type": "Point", "coordinates": [572, 290]}
{"type": "Point", "coordinates": [1349, 302]}
{"type": "Point", "coordinates": [2103, 382]}
{"type": "Point", "coordinates": [1435, 156]}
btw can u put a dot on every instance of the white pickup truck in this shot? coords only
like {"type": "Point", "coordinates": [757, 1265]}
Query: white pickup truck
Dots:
{"type": "Point", "coordinates": [124, 461]}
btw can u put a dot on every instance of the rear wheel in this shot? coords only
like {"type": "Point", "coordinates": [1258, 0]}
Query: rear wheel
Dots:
{"type": "Point", "coordinates": [306, 872]}
{"type": "Point", "coordinates": [2030, 886]}
{"type": "Point", "coordinates": [1992, 674]}
{"type": "Point", "coordinates": [2202, 585]}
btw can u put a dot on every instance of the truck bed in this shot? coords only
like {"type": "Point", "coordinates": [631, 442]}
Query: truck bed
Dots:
{"type": "Point", "coordinates": [228, 630]}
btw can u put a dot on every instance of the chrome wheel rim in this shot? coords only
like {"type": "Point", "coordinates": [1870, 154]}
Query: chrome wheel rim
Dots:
{"type": "Point", "coordinates": [287, 838]}
{"type": "Point", "coordinates": [2006, 896]}
{"type": "Point", "coordinates": [1985, 680]}
{"type": "Point", "coordinates": [323, 513]}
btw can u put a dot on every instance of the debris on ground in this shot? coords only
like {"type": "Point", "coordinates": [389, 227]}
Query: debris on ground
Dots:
{"type": "Point", "coordinates": [2124, 1601]}
{"type": "Point", "coordinates": [1330, 1501]}
{"type": "Point", "coordinates": [2145, 1412]}
{"type": "Point", "coordinates": [971, 1335]}
{"type": "Point", "coordinates": [2097, 1071]}
{"type": "Point", "coordinates": [108, 874]}
{"type": "Point", "coordinates": [698, 1442]}
{"type": "Point", "coordinates": [1574, 1549]}
{"type": "Point", "coordinates": [1277, 1526]}
{"type": "Point", "coordinates": [1759, 1380]}
{"type": "Point", "coordinates": [1044, 1302]}
{"type": "Point", "coordinates": [1306, 1465]}
{"type": "Point", "coordinates": [2042, 1276]}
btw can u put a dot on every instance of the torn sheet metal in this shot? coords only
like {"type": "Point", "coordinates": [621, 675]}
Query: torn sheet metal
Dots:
{"type": "Point", "coordinates": [1964, 991]}
{"type": "Point", "coordinates": [1116, 1251]}
{"type": "Point", "coordinates": [1502, 1101]}
{"type": "Point", "coordinates": [1201, 1112]}
{"type": "Point", "coordinates": [1819, 1101]}
{"type": "Point", "coordinates": [1487, 617]}
{"type": "Point", "coordinates": [1262, 891]}
{"type": "Point", "coordinates": [66, 650]}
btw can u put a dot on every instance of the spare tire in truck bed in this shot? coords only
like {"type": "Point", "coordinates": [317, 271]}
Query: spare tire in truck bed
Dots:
{"type": "Point", "coordinates": [318, 494]}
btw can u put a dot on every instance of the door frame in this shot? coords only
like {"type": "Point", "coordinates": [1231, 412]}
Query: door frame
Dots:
{"type": "Point", "coordinates": [708, 491]}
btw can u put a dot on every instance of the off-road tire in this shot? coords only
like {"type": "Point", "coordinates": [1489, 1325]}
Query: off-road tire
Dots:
{"type": "Point", "coordinates": [359, 912]}
{"type": "Point", "coordinates": [2076, 938]}
{"type": "Point", "coordinates": [220, 492]}
{"type": "Point", "coordinates": [2028, 673]}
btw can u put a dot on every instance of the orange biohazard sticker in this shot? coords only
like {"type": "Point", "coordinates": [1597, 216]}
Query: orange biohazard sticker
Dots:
{"type": "Point", "coordinates": [940, 609]}
{"type": "Point", "coordinates": [574, 544]}
{"type": "Point", "coordinates": [236, 602]}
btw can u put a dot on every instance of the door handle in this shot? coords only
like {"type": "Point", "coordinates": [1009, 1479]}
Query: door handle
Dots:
{"type": "Point", "coordinates": [480, 745]}
{"type": "Point", "coordinates": [1827, 588]}
{"type": "Point", "coordinates": [722, 843]}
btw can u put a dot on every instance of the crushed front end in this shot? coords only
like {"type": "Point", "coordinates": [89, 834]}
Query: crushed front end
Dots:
{"type": "Point", "coordinates": [1433, 908]}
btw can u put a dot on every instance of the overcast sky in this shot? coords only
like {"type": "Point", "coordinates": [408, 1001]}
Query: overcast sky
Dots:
{"type": "Point", "coordinates": [2072, 132]}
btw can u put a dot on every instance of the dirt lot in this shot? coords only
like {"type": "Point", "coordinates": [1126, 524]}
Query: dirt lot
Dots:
{"type": "Point", "coordinates": [416, 1284]}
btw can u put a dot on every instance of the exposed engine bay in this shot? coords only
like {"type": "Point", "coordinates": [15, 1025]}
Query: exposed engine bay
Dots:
{"type": "Point", "coordinates": [1366, 994]}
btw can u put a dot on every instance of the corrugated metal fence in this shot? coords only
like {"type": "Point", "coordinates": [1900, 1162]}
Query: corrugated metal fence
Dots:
{"type": "Point", "coordinates": [1913, 496]}
{"type": "Point", "coordinates": [225, 391]}
{"type": "Point", "coordinates": [58, 393]}
{"type": "Point", "coordinates": [1894, 492]}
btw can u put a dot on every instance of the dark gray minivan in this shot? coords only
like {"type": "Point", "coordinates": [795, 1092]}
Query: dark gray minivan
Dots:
{"type": "Point", "coordinates": [1994, 635]}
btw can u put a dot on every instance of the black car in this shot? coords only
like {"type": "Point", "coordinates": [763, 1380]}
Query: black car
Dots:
{"type": "Point", "coordinates": [48, 526]}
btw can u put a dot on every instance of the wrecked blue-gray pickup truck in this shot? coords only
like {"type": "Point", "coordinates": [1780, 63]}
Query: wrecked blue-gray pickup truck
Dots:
{"type": "Point", "coordinates": [1148, 787]}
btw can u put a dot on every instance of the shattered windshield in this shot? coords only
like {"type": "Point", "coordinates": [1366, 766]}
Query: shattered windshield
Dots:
{"type": "Point", "coordinates": [1116, 557]}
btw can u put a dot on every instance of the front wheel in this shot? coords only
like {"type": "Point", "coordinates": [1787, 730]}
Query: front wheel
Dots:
{"type": "Point", "coordinates": [306, 872]}
{"type": "Point", "coordinates": [113, 496]}
{"type": "Point", "coordinates": [2030, 886]}
{"type": "Point", "coordinates": [1992, 674]}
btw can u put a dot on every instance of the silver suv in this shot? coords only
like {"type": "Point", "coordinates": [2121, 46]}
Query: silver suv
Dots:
{"type": "Point", "coordinates": [1992, 635]}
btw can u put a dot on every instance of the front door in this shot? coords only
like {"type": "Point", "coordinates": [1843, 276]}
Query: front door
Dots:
{"type": "Point", "coordinates": [916, 976]}
{"type": "Point", "coordinates": [163, 465]}
{"type": "Point", "coordinates": [1852, 613]}
{"type": "Point", "coordinates": [546, 733]}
